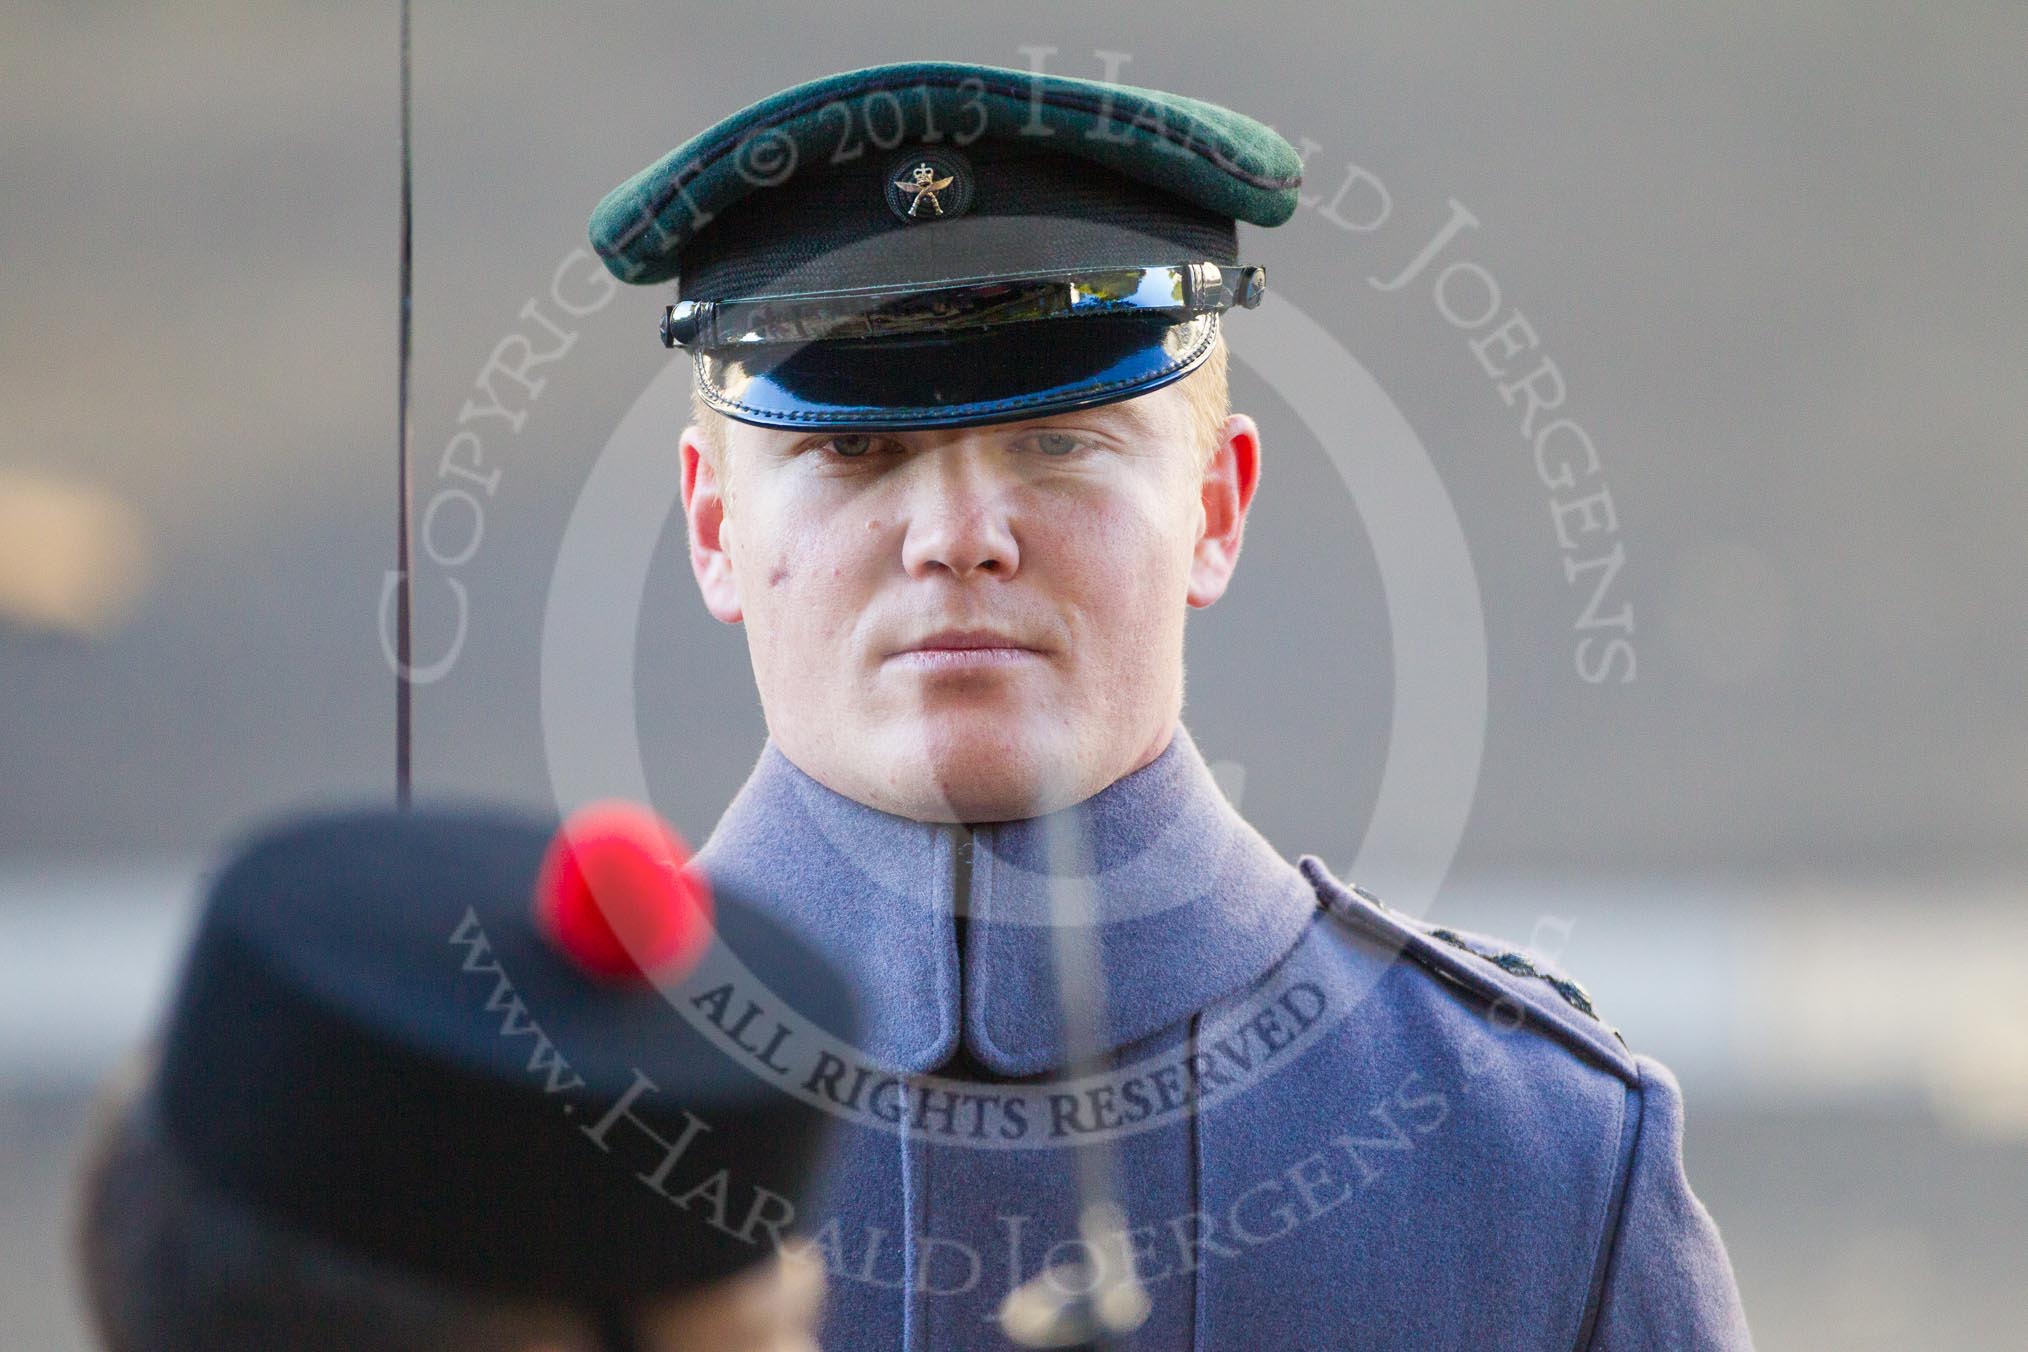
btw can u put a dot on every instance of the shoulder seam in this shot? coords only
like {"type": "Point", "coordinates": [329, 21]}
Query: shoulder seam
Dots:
{"type": "Point", "coordinates": [1636, 1111]}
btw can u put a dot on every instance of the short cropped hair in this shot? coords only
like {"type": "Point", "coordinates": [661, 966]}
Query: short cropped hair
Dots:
{"type": "Point", "coordinates": [170, 1265]}
{"type": "Point", "coordinates": [1207, 391]}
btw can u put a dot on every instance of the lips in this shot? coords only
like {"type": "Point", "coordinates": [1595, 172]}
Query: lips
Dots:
{"type": "Point", "coordinates": [964, 639]}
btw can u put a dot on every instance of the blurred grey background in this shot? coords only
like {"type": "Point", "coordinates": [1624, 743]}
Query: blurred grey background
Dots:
{"type": "Point", "coordinates": [1776, 253]}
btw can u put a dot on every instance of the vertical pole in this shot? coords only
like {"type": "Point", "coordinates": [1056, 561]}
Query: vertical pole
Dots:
{"type": "Point", "coordinates": [405, 437]}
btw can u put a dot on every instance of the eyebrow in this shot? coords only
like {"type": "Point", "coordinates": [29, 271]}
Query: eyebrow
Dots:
{"type": "Point", "coordinates": [1138, 419]}
{"type": "Point", "coordinates": [1125, 410]}
{"type": "Point", "coordinates": [1132, 411]}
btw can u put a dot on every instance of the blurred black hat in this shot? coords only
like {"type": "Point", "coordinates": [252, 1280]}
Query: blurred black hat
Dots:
{"type": "Point", "coordinates": [377, 1041]}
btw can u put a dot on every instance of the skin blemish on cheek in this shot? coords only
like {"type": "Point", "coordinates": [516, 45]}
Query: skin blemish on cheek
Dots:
{"type": "Point", "coordinates": [780, 574]}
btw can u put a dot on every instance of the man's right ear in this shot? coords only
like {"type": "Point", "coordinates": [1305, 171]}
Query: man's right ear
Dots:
{"type": "Point", "coordinates": [710, 533]}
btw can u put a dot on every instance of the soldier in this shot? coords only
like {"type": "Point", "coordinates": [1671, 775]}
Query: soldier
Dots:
{"type": "Point", "coordinates": [416, 1093]}
{"type": "Point", "coordinates": [961, 467]}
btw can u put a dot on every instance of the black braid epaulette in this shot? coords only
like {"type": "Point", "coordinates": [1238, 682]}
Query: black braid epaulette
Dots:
{"type": "Point", "coordinates": [1574, 995]}
{"type": "Point", "coordinates": [1507, 960]}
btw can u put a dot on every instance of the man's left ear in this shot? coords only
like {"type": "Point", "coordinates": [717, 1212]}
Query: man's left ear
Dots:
{"type": "Point", "coordinates": [1227, 491]}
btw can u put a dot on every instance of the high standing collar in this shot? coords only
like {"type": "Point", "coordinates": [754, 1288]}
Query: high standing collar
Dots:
{"type": "Point", "coordinates": [1185, 901]}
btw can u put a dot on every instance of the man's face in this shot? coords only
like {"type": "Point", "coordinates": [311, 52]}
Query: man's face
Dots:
{"type": "Point", "coordinates": [975, 624]}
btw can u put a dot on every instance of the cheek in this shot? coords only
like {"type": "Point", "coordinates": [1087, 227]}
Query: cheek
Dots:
{"type": "Point", "coordinates": [1127, 564]}
{"type": "Point", "coordinates": [810, 574]}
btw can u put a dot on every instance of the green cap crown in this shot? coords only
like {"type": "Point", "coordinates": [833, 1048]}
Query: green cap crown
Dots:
{"type": "Point", "coordinates": [1203, 153]}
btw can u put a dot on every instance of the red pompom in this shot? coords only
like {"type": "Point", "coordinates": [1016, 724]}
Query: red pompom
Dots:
{"type": "Point", "coordinates": [617, 896]}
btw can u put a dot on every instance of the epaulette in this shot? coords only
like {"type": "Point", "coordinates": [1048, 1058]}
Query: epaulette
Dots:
{"type": "Point", "coordinates": [1574, 995]}
{"type": "Point", "coordinates": [1506, 980]}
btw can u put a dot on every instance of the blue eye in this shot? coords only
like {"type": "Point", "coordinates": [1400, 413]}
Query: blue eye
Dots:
{"type": "Point", "coordinates": [851, 445]}
{"type": "Point", "coordinates": [1056, 443]}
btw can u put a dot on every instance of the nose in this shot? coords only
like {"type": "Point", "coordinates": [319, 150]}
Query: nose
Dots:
{"type": "Point", "coordinates": [957, 516]}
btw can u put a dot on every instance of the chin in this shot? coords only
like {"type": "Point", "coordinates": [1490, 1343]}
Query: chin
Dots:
{"type": "Point", "coordinates": [992, 769]}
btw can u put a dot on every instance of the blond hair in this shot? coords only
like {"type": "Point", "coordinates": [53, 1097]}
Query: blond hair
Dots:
{"type": "Point", "coordinates": [1207, 392]}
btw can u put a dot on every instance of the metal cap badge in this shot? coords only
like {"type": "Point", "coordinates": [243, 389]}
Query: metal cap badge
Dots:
{"type": "Point", "coordinates": [928, 183]}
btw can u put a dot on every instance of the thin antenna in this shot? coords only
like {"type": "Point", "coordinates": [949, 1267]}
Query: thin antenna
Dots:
{"type": "Point", "coordinates": [403, 688]}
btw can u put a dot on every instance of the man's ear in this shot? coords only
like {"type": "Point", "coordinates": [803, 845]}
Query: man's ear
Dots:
{"type": "Point", "coordinates": [710, 533]}
{"type": "Point", "coordinates": [1226, 493]}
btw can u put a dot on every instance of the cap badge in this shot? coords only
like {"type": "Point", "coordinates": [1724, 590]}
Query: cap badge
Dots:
{"type": "Point", "coordinates": [924, 184]}
{"type": "Point", "coordinates": [928, 185]}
